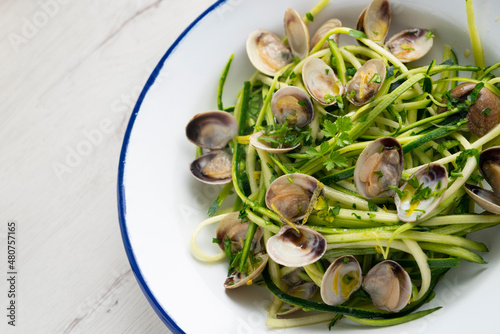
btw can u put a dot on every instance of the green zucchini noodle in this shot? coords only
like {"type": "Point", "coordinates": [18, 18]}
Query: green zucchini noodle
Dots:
{"type": "Point", "coordinates": [194, 244]}
{"type": "Point", "coordinates": [437, 122]}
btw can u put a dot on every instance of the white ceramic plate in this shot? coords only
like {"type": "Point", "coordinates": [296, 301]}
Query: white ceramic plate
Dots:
{"type": "Point", "coordinates": [160, 203]}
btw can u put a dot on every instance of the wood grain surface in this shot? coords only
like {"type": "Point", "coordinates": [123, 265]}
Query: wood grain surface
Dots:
{"type": "Point", "coordinates": [71, 72]}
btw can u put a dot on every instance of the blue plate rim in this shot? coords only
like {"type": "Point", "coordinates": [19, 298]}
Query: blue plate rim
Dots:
{"type": "Point", "coordinates": [122, 205]}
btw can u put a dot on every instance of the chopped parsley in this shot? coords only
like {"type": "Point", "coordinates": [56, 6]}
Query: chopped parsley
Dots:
{"type": "Point", "coordinates": [379, 173]}
{"type": "Point", "coordinates": [357, 34]}
{"type": "Point", "coordinates": [430, 34]}
{"type": "Point", "coordinates": [310, 16]}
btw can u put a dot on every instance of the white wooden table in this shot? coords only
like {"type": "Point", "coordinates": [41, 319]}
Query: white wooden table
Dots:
{"type": "Point", "coordinates": [71, 72]}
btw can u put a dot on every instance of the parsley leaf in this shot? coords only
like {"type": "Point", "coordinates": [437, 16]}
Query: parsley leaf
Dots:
{"type": "Point", "coordinates": [357, 34]}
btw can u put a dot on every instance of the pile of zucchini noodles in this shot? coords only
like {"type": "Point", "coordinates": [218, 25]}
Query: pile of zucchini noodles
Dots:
{"type": "Point", "coordinates": [404, 108]}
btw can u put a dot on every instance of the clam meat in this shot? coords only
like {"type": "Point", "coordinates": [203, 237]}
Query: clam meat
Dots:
{"type": "Point", "coordinates": [214, 167]}
{"type": "Point", "coordinates": [290, 195]}
{"type": "Point", "coordinates": [366, 82]}
{"type": "Point", "coordinates": [292, 105]}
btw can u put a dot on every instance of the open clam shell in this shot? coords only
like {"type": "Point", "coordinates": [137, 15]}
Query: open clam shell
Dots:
{"type": "Point", "coordinates": [232, 228]}
{"type": "Point", "coordinates": [323, 30]}
{"type": "Point", "coordinates": [484, 198]}
{"type": "Point", "coordinates": [214, 167]}
{"type": "Point", "coordinates": [291, 104]}
{"type": "Point", "coordinates": [262, 145]}
{"type": "Point", "coordinates": [238, 279]}
{"type": "Point", "coordinates": [321, 82]}
{"type": "Point", "coordinates": [297, 33]}
{"type": "Point", "coordinates": [388, 285]}
{"type": "Point", "coordinates": [305, 290]}
{"type": "Point", "coordinates": [417, 202]}
{"type": "Point", "coordinates": [489, 166]}
{"type": "Point", "coordinates": [410, 44]}
{"type": "Point", "coordinates": [342, 278]}
{"type": "Point", "coordinates": [366, 82]}
{"type": "Point", "coordinates": [291, 194]}
{"type": "Point", "coordinates": [296, 249]}
{"type": "Point", "coordinates": [267, 53]}
{"type": "Point", "coordinates": [375, 20]}
{"type": "Point", "coordinates": [212, 129]}
{"type": "Point", "coordinates": [378, 167]}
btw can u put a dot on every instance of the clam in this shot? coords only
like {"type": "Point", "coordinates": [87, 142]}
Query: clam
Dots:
{"type": "Point", "coordinates": [321, 82]}
{"type": "Point", "coordinates": [266, 146]}
{"type": "Point", "coordinates": [232, 228]}
{"type": "Point", "coordinates": [304, 290]}
{"type": "Point", "coordinates": [379, 166]}
{"type": "Point", "coordinates": [267, 53]}
{"type": "Point", "coordinates": [366, 82]}
{"type": "Point", "coordinates": [212, 129]}
{"type": "Point", "coordinates": [237, 278]}
{"type": "Point", "coordinates": [290, 195]}
{"type": "Point", "coordinates": [342, 278]}
{"type": "Point", "coordinates": [323, 30]}
{"type": "Point", "coordinates": [375, 20]}
{"type": "Point", "coordinates": [410, 44]}
{"type": "Point", "coordinates": [214, 167]}
{"type": "Point", "coordinates": [484, 114]}
{"type": "Point", "coordinates": [296, 249]}
{"type": "Point", "coordinates": [297, 33]}
{"type": "Point", "coordinates": [489, 166]}
{"type": "Point", "coordinates": [292, 105]}
{"type": "Point", "coordinates": [388, 285]}
{"type": "Point", "coordinates": [422, 192]}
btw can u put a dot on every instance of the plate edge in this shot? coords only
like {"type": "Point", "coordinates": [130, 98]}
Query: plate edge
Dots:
{"type": "Point", "coordinates": [122, 208]}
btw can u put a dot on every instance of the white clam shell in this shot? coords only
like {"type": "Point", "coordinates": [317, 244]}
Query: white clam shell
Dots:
{"type": "Point", "coordinates": [292, 249]}
{"type": "Point", "coordinates": [255, 142]}
{"type": "Point", "coordinates": [484, 198]}
{"type": "Point", "coordinates": [376, 20]}
{"type": "Point", "coordinates": [388, 285]}
{"type": "Point", "coordinates": [433, 176]}
{"type": "Point", "coordinates": [286, 108]}
{"type": "Point", "coordinates": [410, 44]}
{"type": "Point", "coordinates": [212, 129]}
{"type": "Point", "coordinates": [385, 156]}
{"type": "Point", "coordinates": [323, 30]}
{"type": "Point", "coordinates": [297, 33]}
{"type": "Point", "coordinates": [238, 279]}
{"type": "Point", "coordinates": [320, 81]}
{"type": "Point", "coordinates": [489, 166]}
{"type": "Point", "coordinates": [366, 83]}
{"type": "Point", "coordinates": [267, 53]}
{"type": "Point", "coordinates": [342, 278]}
{"type": "Point", "coordinates": [291, 194]}
{"type": "Point", "coordinates": [213, 167]}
